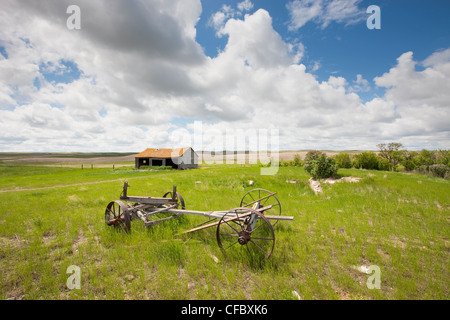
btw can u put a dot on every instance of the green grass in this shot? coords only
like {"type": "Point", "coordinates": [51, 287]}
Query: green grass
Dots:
{"type": "Point", "coordinates": [26, 177]}
{"type": "Point", "coordinates": [396, 221]}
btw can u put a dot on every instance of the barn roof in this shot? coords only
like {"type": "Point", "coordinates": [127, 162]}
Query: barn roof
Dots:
{"type": "Point", "coordinates": [161, 153]}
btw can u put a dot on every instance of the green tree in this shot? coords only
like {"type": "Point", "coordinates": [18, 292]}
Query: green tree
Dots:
{"type": "Point", "coordinates": [443, 157]}
{"type": "Point", "coordinates": [384, 165]}
{"type": "Point", "coordinates": [366, 160]}
{"type": "Point", "coordinates": [409, 160]}
{"type": "Point", "coordinates": [297, 162]}
{"type": "Point", "coordinates": [425, 158]}
{"type": "Point", "coordinates": [319, 165]}
{"type": "Point", "coordinates": [343, 160]}
{"type": "Point", "coordinates": [392, 153]}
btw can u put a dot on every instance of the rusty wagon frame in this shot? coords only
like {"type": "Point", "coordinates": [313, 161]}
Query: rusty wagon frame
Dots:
{"type": "Point", "coordinates": [247, 225]}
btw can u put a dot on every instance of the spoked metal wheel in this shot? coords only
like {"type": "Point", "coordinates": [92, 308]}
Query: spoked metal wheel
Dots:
{"type": "Point", "coordinates": [247, 232]}
{"type": "Point", "coordinates": [117, 215]}
{"type": "Point", "coordinates": [262, 198]}
{"type": "Point", "coordinates": [178, 197]}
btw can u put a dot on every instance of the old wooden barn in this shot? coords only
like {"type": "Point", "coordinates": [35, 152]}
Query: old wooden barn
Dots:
{"type": "Point", "coordinates": [178, 158]}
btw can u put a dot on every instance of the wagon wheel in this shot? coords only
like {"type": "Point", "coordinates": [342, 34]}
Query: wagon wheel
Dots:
{"type": "Point", "coordinates": [178, 197]}
{"type": "Point", "coordinates": [252, 196]}
{"type": "Point", "coordinates": [254, 233]}
{"type": "Point", "coordinates": [117, 214]}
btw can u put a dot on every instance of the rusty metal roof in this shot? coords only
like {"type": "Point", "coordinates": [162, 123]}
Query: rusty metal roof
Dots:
{"type": "Point", "coordinates": [161, 153]}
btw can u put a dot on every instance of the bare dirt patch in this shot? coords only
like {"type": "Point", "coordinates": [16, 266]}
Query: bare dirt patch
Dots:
{"type": "Point", "coordinates": [81, 239]}
{"type": "Point", "coordinates": [398, 243]}
{"type": "Point", "coordinates": [317, 188]}
{"type": "Point", "coordinates": [343, 179]}
{"type": "Point", "coordinates": [15, 242]}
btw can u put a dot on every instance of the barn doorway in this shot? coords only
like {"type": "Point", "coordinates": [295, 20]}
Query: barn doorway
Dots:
{"type": "Point", "coordinates": [170, 163]}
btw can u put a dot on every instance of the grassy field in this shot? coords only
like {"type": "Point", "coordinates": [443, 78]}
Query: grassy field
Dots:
{"type": "Point", "coordinates": [52, 218]}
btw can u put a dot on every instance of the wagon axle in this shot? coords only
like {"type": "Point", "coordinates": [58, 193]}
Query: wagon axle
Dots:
{"type": "Point", "coordinates": [244, 237]}
{"type": "Point", "coordinates": [115, 222]}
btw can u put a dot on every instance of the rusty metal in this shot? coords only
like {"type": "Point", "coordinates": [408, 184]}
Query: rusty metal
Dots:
{"type": "Point", "coordinates": [241, 216]}
{"type": "Point", "coordinates": [120, 215]}
{"type": "Point", "coordinates": [255, 232]}
{"type": "Point", "coordinates": [175, 196]}
{"type": "Point", "coordinates": [246, 226]}
{"type": "Point", "coordinates": [264, 198]}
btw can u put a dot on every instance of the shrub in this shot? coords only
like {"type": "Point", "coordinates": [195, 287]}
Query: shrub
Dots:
{"type": "Point", "coordinates": [409, 161]}
{"type": "Point", "coordinates": [439, 170]}
{"type": "Point", "coordinates": [424, 158]}
{"type": "Point", "coordinates": [408, 164]}
{"type": "Point", "coordinates": [285, 163]}
{"type": "Point", "coordinates": [319, 165]}
{"type": "Point", "coordinates": [385, 165]}
{"type": "Point", "coordinates": [311, 155]}
{"type": "Point", "coordinates": [443, 157]}
{"type": "Point", "coordinates": [366, 160]}
{"type": "Point", "coordinates": [423, 169]}
{"type": "Point", "coordinates": [343, 160]}
{"type": "Point", "coordinates": [297, 161]}
{"type": "Point", "coordinates": [155, 167]}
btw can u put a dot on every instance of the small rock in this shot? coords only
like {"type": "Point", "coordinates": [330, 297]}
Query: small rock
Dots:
{"type": "Point", "coordinates": [315, 186]}
{"type": "Point", "coordinates": [363, 269]}
{"type": "Point", "coordinates": [129, 277]}
{"type": "Point", "coordinates": [295, 293]}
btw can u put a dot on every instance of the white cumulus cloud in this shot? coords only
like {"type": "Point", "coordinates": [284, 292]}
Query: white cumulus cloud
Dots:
{"type": "Point", "coordinates": [324, 12]}
{"type": "Point", "coordinates": [144, 80]}
{"type": "Point", "coordinates": [245, 5]}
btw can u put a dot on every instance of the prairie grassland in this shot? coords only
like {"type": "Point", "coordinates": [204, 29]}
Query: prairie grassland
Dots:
{"type": "Point", "coordinates": [399, 222]}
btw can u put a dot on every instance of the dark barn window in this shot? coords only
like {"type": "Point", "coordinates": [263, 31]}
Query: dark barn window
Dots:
{"type": "Point", "coordinates": [170, 163]}
{"type": "Point", "coordinates": [143, 162]}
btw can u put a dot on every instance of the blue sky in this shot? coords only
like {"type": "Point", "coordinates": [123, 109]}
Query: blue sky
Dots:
{"type": "Point", "coordinates": [348, 50]}
{"type": "Point", "coordinates": [145, 73]}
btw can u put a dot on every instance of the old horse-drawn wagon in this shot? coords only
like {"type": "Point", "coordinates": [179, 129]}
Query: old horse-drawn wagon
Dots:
{"type": "Point", "coordinates": [247, 225]}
